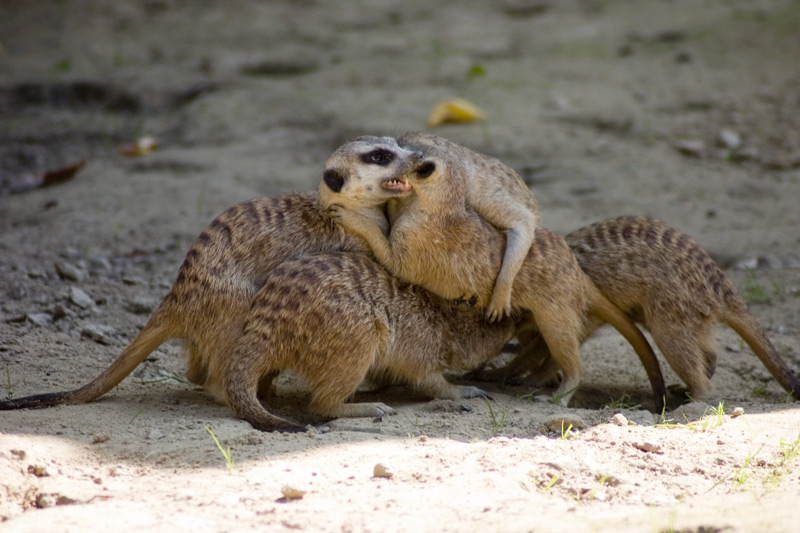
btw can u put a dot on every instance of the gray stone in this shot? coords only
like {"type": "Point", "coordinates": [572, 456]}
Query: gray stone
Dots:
{"type": "Point", "coordinates": [70, 272]}
{"type": "Point", "coordinates": [141, 305]}
{"type": "Point", "coordinates": [730, 139]}
{"type": "Point", "coordinates": [80, 298]}
{"type": "Point", "coordinates": [99, 333]}
{"type": "Point", "coordinates": [689, 412]}
{"type": "Point", "coordinates": [648, 446]}
{"type": "Point", "coordinates": [619, 420]}
{"type": "Point", "coordinates": [98, 262]}
{"type": "Point", "coordinates": [642, 418]}
{"type": "Point", "coordinates": [690, 147]}
{"type": "Point", "coordinates": [40, 319]}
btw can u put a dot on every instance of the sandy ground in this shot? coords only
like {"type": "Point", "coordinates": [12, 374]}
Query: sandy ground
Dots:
{"type": "Point", "coordinates": [686, 111]}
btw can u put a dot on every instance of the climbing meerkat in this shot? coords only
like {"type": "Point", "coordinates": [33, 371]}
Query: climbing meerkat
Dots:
{"type": "Point", "coordinates": [664, 280]}
{"type": "Point", "coordinates": [226, 265]}
{"type": "Point", "coordinates": [499, 196]}
{"type": "Point", "coordinates": [441, 245]}
{"type": "Point", "coordinates": [336, 318]}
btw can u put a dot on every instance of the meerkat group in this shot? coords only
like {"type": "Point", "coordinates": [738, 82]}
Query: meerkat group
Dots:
{"type": "Point", "coordinates": [292, 282]}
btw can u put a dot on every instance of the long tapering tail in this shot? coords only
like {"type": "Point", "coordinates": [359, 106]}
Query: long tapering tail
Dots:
{"type": "Point", "coordinates": [150, 338]}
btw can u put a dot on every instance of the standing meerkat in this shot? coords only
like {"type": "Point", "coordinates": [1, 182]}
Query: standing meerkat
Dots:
{"type": "Point", "coordinates": [441, 245]}
{"type": "Point", "coordinates": [226, 265]}
{"type": "Point", "coordinates": [664, 280]}
{"type": "Point", "coordinates": [499, 196]}
{"type": "Point", "coordinates": [336, 318]}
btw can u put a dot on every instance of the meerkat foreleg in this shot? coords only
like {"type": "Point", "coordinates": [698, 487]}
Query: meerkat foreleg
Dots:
{"type": "Point", "coordinates": [436, 386]}
{"type": "Point", "coordinates": [366, 228]}
{"type": "Point", "coordinates": [518, 241]}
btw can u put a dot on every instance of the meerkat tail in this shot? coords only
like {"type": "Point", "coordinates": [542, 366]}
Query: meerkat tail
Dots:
{"type": "Point", "coordinates": [607, 311]}
{"type": "Point", "coordinates": [150, 338]}
{"type": "Point", "coordinates": [746, 326]}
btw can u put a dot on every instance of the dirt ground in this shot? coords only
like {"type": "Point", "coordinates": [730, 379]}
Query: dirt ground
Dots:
{"type": "Point", "coordinates": [685, 111]}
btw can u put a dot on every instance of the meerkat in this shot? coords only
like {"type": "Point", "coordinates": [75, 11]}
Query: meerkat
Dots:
{"type": "Point", "coordinates": [441, 245]}
{"type": "Point", "coordinates": [226, 265]}
{"type": "Point", "coordinates": [499, 196]}
{"type": "Point", "coordinates": [336, 318]}
{"type": "Point", "coordinates": [664, 280]}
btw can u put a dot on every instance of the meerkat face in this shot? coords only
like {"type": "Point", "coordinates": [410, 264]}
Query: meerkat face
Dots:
{"type": "Point", "coordinates": [367, 172]}
{"type": "Point", "coordinates": [439, 176]}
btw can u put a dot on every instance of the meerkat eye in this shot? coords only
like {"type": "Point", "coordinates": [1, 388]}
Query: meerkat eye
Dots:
{"type": "Point", "coordinates": [379, 156]}
{"type": "Point", "coordinates": [426, 169]}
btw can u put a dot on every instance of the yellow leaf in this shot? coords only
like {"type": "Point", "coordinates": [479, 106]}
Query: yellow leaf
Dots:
{"type": "Point", "coordinates": [454, 111]}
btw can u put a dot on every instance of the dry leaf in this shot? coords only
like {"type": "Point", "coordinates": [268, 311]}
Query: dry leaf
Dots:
{"type": "Point", "coordinates": [454, 111]}
{"type": "Point", "coordinates": [381, 471]}
{"type": "Point", "coordinates": [51, 177]}
{"type": "Point", "coordinates": [291, 493]}
{"type": "Point", "coordinates": [143, 146]}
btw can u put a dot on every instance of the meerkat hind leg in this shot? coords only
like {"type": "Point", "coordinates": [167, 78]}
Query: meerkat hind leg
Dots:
{"type": "Point", "coordinates": [242, 395]}
{"type": "Point", "coordinates": [684, 354]}
{"type": "Point", "coordinates": [565, 348]}
{"type": "Point", "coordinates": [330, 390]}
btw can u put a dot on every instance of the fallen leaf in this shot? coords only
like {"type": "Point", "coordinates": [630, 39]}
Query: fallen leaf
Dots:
{"type": "Point", "coordinates": [381, 471]}
{"type": "Point", "coordinates": [454, 111]}
{"type": "Point", "coordinates": [291, 493]}
{"type": "Point", "coordinates": [143, 146]}
{"type": "Point", "coordinates": [51, 177]}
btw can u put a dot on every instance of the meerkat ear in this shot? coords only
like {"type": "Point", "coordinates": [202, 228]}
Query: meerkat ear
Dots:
{"type": "Point", "coordinates": [333, 180]}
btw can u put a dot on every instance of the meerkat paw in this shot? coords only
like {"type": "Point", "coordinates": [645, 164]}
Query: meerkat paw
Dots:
{"type": "Point", "coordinates": [462, 302]}
{"type": "Point", "coordinates": [346, 217]}
{"type": "Point", "coordinates": [473, 392]}
{"type": "Point", "coordinates": [359, 410]}
{"type": "Point", "coordinates": [499, 307]}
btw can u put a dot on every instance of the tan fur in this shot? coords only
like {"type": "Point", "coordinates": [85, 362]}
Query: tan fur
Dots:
{"type": "Point", "coordinates": [499, 196]}
{"type": "Point", "coordinates": [441, 245]}
{"type": "Point", "coordinates": [228, 263]}
{"type": "Point", "coordinates": [662, 278]}
{"type": "Point", "coordinates": [334, 318]}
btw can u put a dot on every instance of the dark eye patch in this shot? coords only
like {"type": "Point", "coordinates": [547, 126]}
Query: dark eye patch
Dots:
{"type": "Point", "coordinates": [333, 180]}
{"type": "Point", "coordinates": [426, 169]}
{"type": "Point", "coordinates": [379, 156]}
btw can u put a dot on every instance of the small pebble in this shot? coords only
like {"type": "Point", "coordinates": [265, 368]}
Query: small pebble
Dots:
{"type": "Point", "coordinates": [99, 333]}
{"type": "Point", "coordinates": [18, 454]}
{"type": "Point", "coordinates": [619, 419]}
{"type": "Point", "coordinates": [381, 471]}
{"type": "Point", "coordinates": [154, 434]}
{"type": "Point", "coordinates": [98, 262]}
{"type": "Point", "coordinates": [141, 305]}
{"type": "Point", "coordinates": [62, 311]}
{"type": "Point", "coordinates": [691, 148]}
{"type": "Point", "coordinates": [99, 439]}
{"type": "Point", "coordinates": [737, 411]}
{"type": "Point", "coordinates": [291, 493]}
{"type": "Point", "coordinates": [36, 274]}
{"type": "Point", "coordinates": [70, 272]}
{"type": "Point", "coordinates": [43, 501]}
{"type": "Point", "coordinates": [557, 423]}
{"type": "Point", "coordinates": [40, 319]}
{"type": "Point", "coordinates": [80, 298]}
{"type": "Point", "coordinates": [730, 139]}
{"type": "Point", "coordinates": [38, 470]}
{"type": "Point", "coordinates": [648, 446]}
